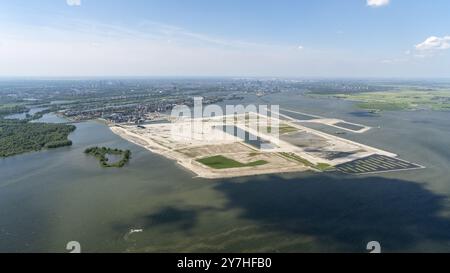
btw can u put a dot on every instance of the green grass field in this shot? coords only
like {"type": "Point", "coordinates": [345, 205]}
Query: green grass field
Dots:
{"type": "Point", "coordinates": [221, 162]}
{"type": "Point", "coordinates": [437, 100]}
{"type": "Point", "coordinates": [383, 106]}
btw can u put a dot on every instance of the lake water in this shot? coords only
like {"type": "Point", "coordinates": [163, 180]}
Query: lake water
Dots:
{"type": "Point", "coordinates": [52, 197]}
{"type": "Point", "coordinates": [24, 115]}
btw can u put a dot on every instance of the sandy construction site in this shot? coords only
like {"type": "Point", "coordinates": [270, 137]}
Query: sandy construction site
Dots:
{"type": "Point", "coordinates": [245, 145]}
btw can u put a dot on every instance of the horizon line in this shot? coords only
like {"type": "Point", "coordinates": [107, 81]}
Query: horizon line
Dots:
{"type": "Point", "coordinates": [107, 77]}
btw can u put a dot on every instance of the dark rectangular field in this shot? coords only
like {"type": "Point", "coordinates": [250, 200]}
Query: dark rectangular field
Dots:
{"type": "Point", "coordinates": [376, 164]}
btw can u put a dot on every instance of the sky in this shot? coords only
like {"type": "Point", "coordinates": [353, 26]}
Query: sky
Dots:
{"type": "Point", "coordinates": [237, 38]}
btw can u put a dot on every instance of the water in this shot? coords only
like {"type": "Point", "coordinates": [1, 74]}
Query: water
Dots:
{"type": "Point", "coordinates": [24, 115]}
{"type": "Point", "coordinates": [52, 197]}
{"type": "Point", "coordinates": [113, 159]}
{"type": "Point", "coordinates": [51, 118]}
{"type": "Point", "coordinates": [349, 126]}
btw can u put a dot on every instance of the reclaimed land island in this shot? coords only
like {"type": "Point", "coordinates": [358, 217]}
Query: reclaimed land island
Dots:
{"type": "Point", "coordinates": [211, 151]}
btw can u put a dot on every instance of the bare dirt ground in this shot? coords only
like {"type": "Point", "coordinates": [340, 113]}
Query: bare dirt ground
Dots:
{"type": "Point", "coordinates": [187, 141]}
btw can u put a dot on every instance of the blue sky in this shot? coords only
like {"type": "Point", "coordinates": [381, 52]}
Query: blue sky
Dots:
{"type": "Point", "coordinates": [290, 38]}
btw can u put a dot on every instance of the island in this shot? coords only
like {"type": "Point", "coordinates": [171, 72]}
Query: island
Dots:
{"type": "Point", "coordinates": [102, 155]}
{"type": "Point", "coordinates": [229, 147]}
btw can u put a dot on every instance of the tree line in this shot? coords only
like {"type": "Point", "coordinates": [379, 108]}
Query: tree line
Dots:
{"type": "Point", "coordinates": [20, 136]}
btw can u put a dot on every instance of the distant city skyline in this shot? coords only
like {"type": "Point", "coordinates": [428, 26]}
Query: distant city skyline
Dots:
{"type": "Point", "coordinates": [324, 38]}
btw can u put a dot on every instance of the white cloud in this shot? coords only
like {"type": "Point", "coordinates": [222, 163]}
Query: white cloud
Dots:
{"type": "Point", "coordinates": [73, 2]}
{"type": "Point", "coordinates": [300, 47]}
{"type": "Point", "coordinates": [377, 3]}
{"type": "Point", "coordinates": [428, 49]}
{"type": "Point", "coordinates": [92, 48]}
{"type": "Point", "coordinates": [434, 43]}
